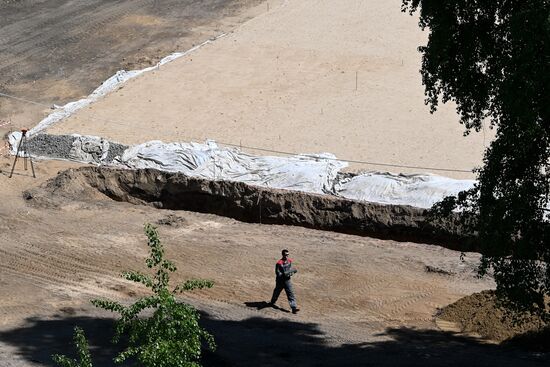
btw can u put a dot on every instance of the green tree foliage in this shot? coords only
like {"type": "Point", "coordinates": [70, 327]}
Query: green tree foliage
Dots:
{"type": "Point", "coordinates": [492, 58]}
{"type": "Point", "coordinates": [171, 336]}
{"type": "Point", "coordinates": [84, 357]}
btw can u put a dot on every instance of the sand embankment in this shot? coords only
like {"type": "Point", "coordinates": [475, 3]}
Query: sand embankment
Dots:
{"type": "Point", "coordinates": [253, 204]}
{"type": "Point", "coordinates": [307, 76]}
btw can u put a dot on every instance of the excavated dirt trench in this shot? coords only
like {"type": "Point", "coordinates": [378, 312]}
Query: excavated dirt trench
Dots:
{"type": "Point", "coordinates": [250, 204]}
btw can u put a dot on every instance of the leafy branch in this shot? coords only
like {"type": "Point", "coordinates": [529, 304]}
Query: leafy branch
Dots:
{"type": "Point", "coordinates": [84, 357]}
{"type": "Point", "coordinates": [171, 336]}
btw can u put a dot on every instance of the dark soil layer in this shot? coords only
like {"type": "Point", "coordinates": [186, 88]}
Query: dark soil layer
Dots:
{"type": "Point", "coordinates": [58, 51]}
{"type": "Point", "coordinates": [250, 204]}
{"type": "Point", "coordinates": [480, 313]}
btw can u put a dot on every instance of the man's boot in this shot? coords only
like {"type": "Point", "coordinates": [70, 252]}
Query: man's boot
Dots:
{"type": "Point", "coordinates": [295, 310]}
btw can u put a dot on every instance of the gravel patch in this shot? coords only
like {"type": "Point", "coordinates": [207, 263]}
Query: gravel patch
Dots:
{"type": "Point", "coordinates": [115, 150]}
{"type": "Point", "coordinates": [51, 146]}
{"type": "Point", "coordinates": [63, 146]}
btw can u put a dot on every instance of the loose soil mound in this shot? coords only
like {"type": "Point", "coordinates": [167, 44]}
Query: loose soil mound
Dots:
{"type": "Point", "coordinates": [481, 314]}
{"type": "Point", "coordinates": [250, 204]}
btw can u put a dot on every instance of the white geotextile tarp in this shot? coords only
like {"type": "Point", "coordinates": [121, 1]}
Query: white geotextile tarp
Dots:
{"type": "Point", "coordinates": [13, 140]}
{"type": "Point", "coordinates": [312, 173]}
{"type": "Point", "coordinates": [309, 173]}
{"type": "Point", "coordinates": [417, 190]}
{"type": "Point", "coordinates": [89, 149]}
{"type": "Point", "coordinates": [315, 174]}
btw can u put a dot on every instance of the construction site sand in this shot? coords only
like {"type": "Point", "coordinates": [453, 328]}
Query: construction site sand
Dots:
{"type": "Point", "coordinates": [352, 290]}
{"type": "Point", "coordinates": [363, 300]}
{"type": "Point", "coordinates": [286, 80]}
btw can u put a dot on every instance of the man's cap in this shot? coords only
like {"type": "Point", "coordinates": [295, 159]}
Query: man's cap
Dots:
{"type": "Point", "coordinates": [284, 251]}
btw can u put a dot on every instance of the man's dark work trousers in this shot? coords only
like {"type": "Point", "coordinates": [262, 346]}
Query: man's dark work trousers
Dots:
{"type": "Point", "coordinates": [281, 284]}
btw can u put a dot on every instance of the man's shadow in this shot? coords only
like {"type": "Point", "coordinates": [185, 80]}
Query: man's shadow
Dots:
{"type": "Point", "coordinates": [263, 304]}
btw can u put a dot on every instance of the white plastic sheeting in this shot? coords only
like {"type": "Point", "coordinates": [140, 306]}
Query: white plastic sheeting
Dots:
{"type": "Point", "coordinates": [313, 174]}
{"type": "Point", "coordinates": [400, 189]}
{"type": "Point", "coordinates": [89, 149]}
{"type": "Point", "coordinates": [13, 140]}
{"type": "Point", "coordinates": [317, 174]}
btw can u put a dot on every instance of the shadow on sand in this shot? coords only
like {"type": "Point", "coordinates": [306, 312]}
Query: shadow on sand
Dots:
{"type": "Point", "coordinates": [263, 304]}
{"type": "Point", "coordinates": [38, 339]}
{"type": "Point", "coordinates": [261, 341]}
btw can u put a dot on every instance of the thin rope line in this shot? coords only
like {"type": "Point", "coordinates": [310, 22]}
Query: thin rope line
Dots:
{"type": "Point", "coordinates": [263, 149]}
{"type": "Point", "coordinates": [25, 100]}
{"type": "Point", "coordinates": [342, 159]}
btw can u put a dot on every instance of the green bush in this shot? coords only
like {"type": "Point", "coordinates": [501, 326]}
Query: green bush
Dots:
{"type": "Point", "coordinates": [82, 350]}
{"type": "Point", "coordinates": [171, 336]}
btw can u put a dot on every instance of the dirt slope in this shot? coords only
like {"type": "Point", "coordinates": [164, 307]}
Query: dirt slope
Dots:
{"type": "Point", "coordinates": [363, 300]}
{"type": "Point", "coordinates": [249, 203]}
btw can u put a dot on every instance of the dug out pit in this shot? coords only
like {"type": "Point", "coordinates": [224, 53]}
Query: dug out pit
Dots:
{"type": "Point", "coordinates": [248, 203]}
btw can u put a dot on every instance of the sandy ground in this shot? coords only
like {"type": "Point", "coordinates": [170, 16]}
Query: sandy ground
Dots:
{"type": "Point", "coordinates": [286, 80]}
{"type": "Point", "coordinates": [58, 51]}
{"type": "Point", "coordinates": [363, 300]}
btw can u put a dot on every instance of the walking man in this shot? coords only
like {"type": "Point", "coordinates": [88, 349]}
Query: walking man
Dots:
{"type": "Point", "coordinates": [283, 271]}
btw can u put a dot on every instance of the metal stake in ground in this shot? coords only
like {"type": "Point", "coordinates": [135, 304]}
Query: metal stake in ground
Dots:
{"type": "Point", "coordinates": [23, 146]}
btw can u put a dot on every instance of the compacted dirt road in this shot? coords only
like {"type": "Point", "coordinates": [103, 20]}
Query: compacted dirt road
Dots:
{"type": "Point", "coordinates": [364, 301]}
{"type": "Point", "coordinates": [59, 51]}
